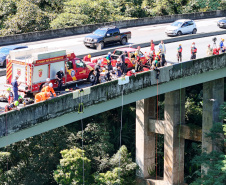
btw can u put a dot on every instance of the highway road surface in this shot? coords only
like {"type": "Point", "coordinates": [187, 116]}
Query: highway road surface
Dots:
{"type": "Point", "coordinates": [171, 51]}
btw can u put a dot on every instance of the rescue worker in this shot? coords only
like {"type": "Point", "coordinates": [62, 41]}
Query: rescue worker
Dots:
{"type": "Point", "coordinates": [42, 96]}
{"type": "Point", "coordinates": [47, 82]}
{"type": "Point", "coordinates": [87, 58]}
{"type": "Point", "coordinates": [131, 73]}
{"type": "Point", "coordinates": [162, 48]}
{"type": "Point", "coordinates": [9, 95]}
{"type": "Point", "coordinates": [49, 88]}
{"type": "Point", "coordinates": [97, 73]}
{"type": "Point", "coordinates": [155, 67]}
{"type": "Point", "coordinates": [193, 51]}
{"type": "Point", "coordinates": [152, 47]}
{"type": "Point", "coordinates": [11, 106]}
{"type": "Point", "coordinates": [139, 66]}
{"type": "Point", "coordinates": [109, 56]}
{"type": "Point", "coordinates": [15, 85]}
{"type": "Point", "coordinates": [209, 51]}
{"type": "Point", "coordinates": [119, 72]}
{"type": "Point", "coordinates": [123, 59]}
{"type": "Point", "coordinates": [179, 53]}
{"type": "Point", "coordinates": [59, 76]}
{"type": "Point", "coordinates": [222, 48]}
{"type": "Point", "coordinates": [118, 64]}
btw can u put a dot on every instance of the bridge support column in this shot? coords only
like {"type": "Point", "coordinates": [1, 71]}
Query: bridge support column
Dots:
{"type": "Point", "coordinates": [213, 97]}
{"type": "Point", "coordinates": [173, 145]}
{"type": "Point", "coordinates": [145, 141]}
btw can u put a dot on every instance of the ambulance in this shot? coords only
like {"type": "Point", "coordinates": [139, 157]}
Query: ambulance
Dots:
{"type": "Point", "coordinates": [35, 65]}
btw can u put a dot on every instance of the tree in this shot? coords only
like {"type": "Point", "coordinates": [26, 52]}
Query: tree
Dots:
{"type": "Point", "coordinates": [72, 167]}
{"type": "Point", "coordinates": [122, 169]}
{"type": "Point", "coordinates": [29, 17]}
{"type": "Point", "coordinates": [214, 161]}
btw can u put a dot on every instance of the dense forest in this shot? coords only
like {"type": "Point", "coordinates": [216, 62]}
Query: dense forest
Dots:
{"type": "Point", "coordinates": [89, 150]}
{"type": "Point", "coordinates": [21, 16]}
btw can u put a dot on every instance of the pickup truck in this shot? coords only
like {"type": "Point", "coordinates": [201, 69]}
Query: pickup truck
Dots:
{"type": "Point", "coordinates": [130, 57]}
{"type": "Point", "coordinates": [106, 35]}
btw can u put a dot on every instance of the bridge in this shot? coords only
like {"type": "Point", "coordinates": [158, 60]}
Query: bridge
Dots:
{"type": "Point", "coordinates": [44, 116]}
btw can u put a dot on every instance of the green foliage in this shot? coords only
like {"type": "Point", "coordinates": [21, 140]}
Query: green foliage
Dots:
{"type": "Point", "coordinates": [70, 171]}
{"type": "Point", "coordinates": [193, 112]}
{"type": "Point", "coordinates": [29, 17]}
{"type": "Point", "coordinates": [33, 160]}
{"type": "Point", "coordinates": [203, 5]}
{"type": "Point", "coordinates": [122, 169]}
{"type": "Point", "coordinates": [214, 162]}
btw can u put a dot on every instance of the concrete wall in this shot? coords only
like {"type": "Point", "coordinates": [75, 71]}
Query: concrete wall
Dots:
{"type": "Point", "coordinates": [62, 105]}
{"type": "Point", "coordinates": [48, 34]}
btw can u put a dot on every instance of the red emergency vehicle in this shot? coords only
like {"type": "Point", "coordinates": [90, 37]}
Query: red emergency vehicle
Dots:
{"type": "Point", "coordinates": [130, 57]}
{"type": "Point", "coordinates": [34, 66]}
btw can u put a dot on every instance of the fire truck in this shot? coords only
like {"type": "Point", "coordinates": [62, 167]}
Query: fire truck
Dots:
{"type": "Point", "coordinates": [35, 65]}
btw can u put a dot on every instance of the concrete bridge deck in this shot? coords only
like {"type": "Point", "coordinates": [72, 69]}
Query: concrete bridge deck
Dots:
{"type": "Point", "coordinates": [41, 117]}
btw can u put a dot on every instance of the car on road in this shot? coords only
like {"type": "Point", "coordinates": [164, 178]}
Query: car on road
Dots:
{"type": "Point", "coordinates": [106, 35]}
{"type": "Point", "coordinates": [222, 23]}
{"type": "Point", "coordinates": [4, 51]}
{"type": "Point", "coordinates": [181, 26]}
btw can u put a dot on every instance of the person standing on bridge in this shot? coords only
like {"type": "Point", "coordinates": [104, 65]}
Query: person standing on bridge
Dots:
{"type": "Point", "coordinates": [59, 76]}
{"type": "Point", "coordinates": [97, 73]}
{"type": "Point", "coordinates": [152, 49]}
{"type": "Point", "coordinates": [162, 48]}
{"type": "Point", "coordinates": [15, 87]}
{"type": "Point", "coordinates": [209, 51]}
{"type": "Point", "coordinates": [87, 58]}
{"type": "Point", "coordinates": [193, 51]}
{"type": "Point", "coordinates": [222, 48]}
{"type": "Point", "coordinates": [179, 53]}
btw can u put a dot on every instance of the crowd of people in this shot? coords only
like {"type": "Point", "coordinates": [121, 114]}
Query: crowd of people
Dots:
{"type": "Point", "coordinates": [154, 60]}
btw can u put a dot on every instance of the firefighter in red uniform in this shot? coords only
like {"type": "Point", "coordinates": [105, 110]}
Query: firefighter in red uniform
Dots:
{"type": "Point", "coordinates": [87, 58]}
{"type": "Point", "coordinates": [193, 51]}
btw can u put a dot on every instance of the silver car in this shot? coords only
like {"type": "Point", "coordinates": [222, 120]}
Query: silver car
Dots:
{"type": "Point", "coordinates": [182, 26]}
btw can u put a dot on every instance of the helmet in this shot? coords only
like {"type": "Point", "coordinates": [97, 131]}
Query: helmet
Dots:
{"type": "Point", "coordinates": [17, 76]}
{"type": "Point", "coordinates": [89, 56]}
{"type": "Point", "coordinates": [62, 69]}
{"type": "Point", "coordinates": [8, 89]}
{"type": "Point", "coordinates": [208, 45]}
{"type": "Point", "coordinates": [114, 68]}
{"type": "Point", "coordinates": [118, 60]}
{"type": "Point", "coordinates": [133, 70]}
{"type": "Point", "coordinates": [193, 42]}
{"type": "Point", "coordinates": [47, 80]}
{"type": "Point", "coordinates": [50, 85]}
{"type": "Point", "coordinates": [130, 46]}
{"type": "Point", "coordinates": [16, 103]}
{"type": "Point", "coordinates": [156, 58]}
{"type": "Point", "coordinates": [109, 53]}
{"type": "Point", "coordinates": [179, 44]}
{"type": "Point", "coordinates": [99, 62]}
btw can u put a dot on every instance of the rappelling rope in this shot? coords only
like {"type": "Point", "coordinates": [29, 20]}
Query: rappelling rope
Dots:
{"type": "Point", "coordinates": [80, 111]}
{"type": "Point", "coordinates": [120, 142]}
{"type": "Point", "coordinates": [156, 137]}
{"type": "Point", "coordinates": [179, 129]}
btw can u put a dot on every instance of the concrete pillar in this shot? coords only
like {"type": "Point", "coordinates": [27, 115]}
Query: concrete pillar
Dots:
{"type": "Point", "coordinates": [213, 97]}
{"type": "Point", "coordinates": [145, 141]}
{"type": "Point", "coordinates": [173, 145]}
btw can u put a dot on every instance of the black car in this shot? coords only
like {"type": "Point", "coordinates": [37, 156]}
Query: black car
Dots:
{"type": "Point", "coordinates": [222, 23]}
{"type": "Point", "coordinates": [106, 35]}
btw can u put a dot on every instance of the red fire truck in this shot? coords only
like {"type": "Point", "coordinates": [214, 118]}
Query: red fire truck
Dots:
{"type": "Point", "coordinates": [34, 66]}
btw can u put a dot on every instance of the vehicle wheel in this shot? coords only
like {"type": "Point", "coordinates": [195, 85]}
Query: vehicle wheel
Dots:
{"type": "Point", "coordinates": [101, 45]}
{"type": "Point", "coordinates": [91, 77]}
{"type": "Point", "coordinates": [179, 33]}
{"type": "Point", "coordinates": [194, 31]}
{"type": "Point", "coordinates": [4, 63]}
{"type": "Point", "coordinates": [124, 41]}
